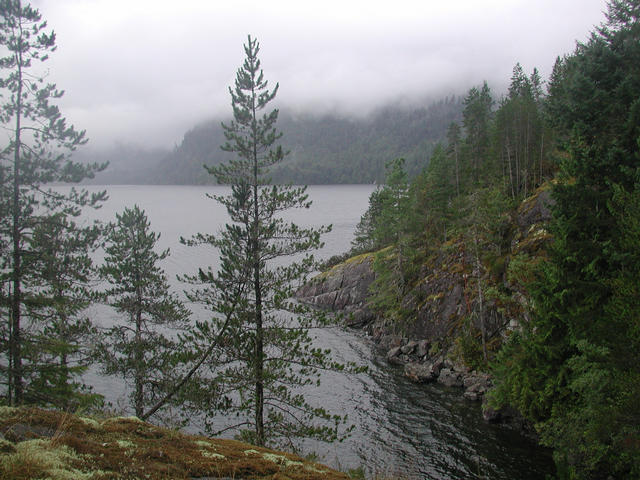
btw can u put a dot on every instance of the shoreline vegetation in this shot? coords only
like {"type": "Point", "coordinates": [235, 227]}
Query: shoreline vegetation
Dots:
{"type": "Point", "coordinates": [515, 253]}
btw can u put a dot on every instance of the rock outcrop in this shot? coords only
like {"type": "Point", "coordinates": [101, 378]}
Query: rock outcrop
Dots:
{"type": "Point", "coordinates": [344, 289]}
{"type": "Point", "coordinates": [442, 303]}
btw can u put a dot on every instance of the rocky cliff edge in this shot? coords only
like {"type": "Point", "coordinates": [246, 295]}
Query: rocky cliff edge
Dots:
{"type": "Point", "coordinates": [433, 343]}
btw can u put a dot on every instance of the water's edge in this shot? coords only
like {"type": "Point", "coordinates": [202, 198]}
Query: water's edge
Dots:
{"type": "Point", "coordinates": [416, 431]}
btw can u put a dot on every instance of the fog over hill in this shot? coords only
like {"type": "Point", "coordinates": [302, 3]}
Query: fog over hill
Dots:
{"type": "Point", "coordinates": [324, 149]}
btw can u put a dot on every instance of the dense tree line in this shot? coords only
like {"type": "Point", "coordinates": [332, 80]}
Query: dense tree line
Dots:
{"type": "Point", "coordinates": [575, 369]}
{"type": "Point", "coordinates": [571, 367]}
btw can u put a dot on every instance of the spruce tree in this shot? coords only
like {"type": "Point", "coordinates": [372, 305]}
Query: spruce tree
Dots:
{"type": "Point", "coordinates": [574, 370]}
{"type": "Point", "coordinates": [364, 236]}
{"type": "Point", "coordinates": [391, 226]}
{"type": "Point", "coordinates": [266, 352]}
{"type": "Point", "coordinates": [39, 143]}
{"type": "Point", "coordinates": [477, 118]}
{"type": "Point", "coordinates": [141, 347]}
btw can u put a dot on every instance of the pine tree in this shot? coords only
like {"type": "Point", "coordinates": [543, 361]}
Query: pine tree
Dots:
{"type": "Point", "coordinates": [364, 239]}
{"type": "Point", "coordinates": [36, 154]}
{"type": "Point", "coordinates": [391, 226]}
{"type": "Point", "coordinates": [394, 206]}
{"type": "Point", "coordinates": [453, 151]}
{"type": "Point", "coordinates": [142, 347]}
{"type": "Point", "coordinates": [265, 354]}
{"type": "Point", "coordinates": [62, 278]}
{"type": "Point", "coordinates": [439, 190]}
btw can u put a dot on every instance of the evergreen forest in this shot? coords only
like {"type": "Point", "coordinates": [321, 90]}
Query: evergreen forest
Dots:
{"type": "Point", "coordinates": [323, 149]}
{"type": "Point", "coordinates": [552, 308]}
{"type": "Point", "coordinates": [570, 363]}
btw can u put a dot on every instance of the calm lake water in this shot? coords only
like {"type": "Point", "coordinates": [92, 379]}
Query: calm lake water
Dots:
{"type": "Point", "coordinates": [417, 431]}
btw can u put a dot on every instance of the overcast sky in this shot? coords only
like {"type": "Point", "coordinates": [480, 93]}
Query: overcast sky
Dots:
{"type": "Point", "coordinates": [145, 71]}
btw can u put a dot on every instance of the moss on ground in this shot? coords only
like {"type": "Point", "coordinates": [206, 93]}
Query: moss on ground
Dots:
{"type": "Point", "coordinates": [336, 269]}
{"type": "Point", "coordinates": [126, 448]}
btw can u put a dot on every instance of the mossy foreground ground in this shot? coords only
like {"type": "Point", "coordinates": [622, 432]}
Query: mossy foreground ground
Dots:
{"type": "Point", "coordinates": [42, 444]}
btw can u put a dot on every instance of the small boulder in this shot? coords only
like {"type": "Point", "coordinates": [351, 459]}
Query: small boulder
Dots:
{"type": "Point", "coordinates": [409, 348]}
{"type": "Point", "coordinates": [390, 341]}
{"type": "Point", "coordinates": [449, 378]}
{"type": "Point", "coordinates": [422, 349]}
{"type": "Point", "coordinates": [394, 356]}
{"type": "Point", "coordinates": [394, 352]}
{"type": "Point", "coordinates": [420, 372]}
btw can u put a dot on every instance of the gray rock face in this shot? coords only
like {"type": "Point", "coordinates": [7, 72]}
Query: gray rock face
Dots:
{"type": "Point", "coordinates": [20, 432]}
{"type": "Point", "coordinates": [344, 288]}
{"type": "Point", "coordinates": [535, 210]}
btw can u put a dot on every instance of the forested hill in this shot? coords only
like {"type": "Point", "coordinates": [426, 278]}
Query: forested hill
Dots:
{"type": "Point", "coordinates": [324, 148]}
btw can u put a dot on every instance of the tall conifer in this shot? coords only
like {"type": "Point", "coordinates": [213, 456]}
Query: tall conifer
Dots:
{"type": "Point", "coordinates": [37, 153]}
{"type": "Point", "coordinates": [141, 346]}
{"type": "Point", "coordinates": [266, 354]}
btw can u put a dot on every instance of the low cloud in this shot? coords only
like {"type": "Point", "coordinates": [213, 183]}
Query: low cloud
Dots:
{"type": "Point", "coordinates": [146, 71]}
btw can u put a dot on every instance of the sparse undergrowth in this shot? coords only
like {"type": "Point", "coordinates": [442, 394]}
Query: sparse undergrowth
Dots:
{"type": "Point", "coordinates": [39, 444]}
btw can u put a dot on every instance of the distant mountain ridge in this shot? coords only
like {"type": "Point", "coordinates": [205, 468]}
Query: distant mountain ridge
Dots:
{"type": "Point", "coordinates": [324, 149]}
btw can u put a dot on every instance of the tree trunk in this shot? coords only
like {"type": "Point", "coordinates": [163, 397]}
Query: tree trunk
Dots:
{"type": "Point", "coordinates": [511, 180]}
{"type": "Point", "coordinates": [455, 151]}
{"type": "Point", "coordinates": [257, 287]}
{"type": "Point", "coordinates": [15, 342]}
{"type": "Point", "coordinates": [138, 399]}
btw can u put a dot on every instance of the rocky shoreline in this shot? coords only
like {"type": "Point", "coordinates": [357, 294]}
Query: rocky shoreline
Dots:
{"type": "Point", "coordinates": [424, 345]}
{"type": "Point", "coordinates": [420, 367]}
{"type": "Point", "coordinates": [344, 289]}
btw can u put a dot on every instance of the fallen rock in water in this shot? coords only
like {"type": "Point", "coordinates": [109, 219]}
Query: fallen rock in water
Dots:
{"type": "Point", "coordinates": [421, 372]}
{"type": "Point", "coordinates": [409, 348]}
{"type": "Point", "coordinates": [476, 385]}
{"type": "Point", "coordinates": [396, 357]}
{"type": "Point", "coordinates": [387, 342]}
{"type": "Point", "coordinates": [450, 378]}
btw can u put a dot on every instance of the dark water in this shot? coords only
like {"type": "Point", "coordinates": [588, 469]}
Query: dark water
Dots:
{"type": "Point", "coordinates": [417, 431]}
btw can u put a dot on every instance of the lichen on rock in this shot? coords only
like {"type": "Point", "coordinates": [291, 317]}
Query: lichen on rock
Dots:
{"type": "Point", "coordinates": [125, 448]}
